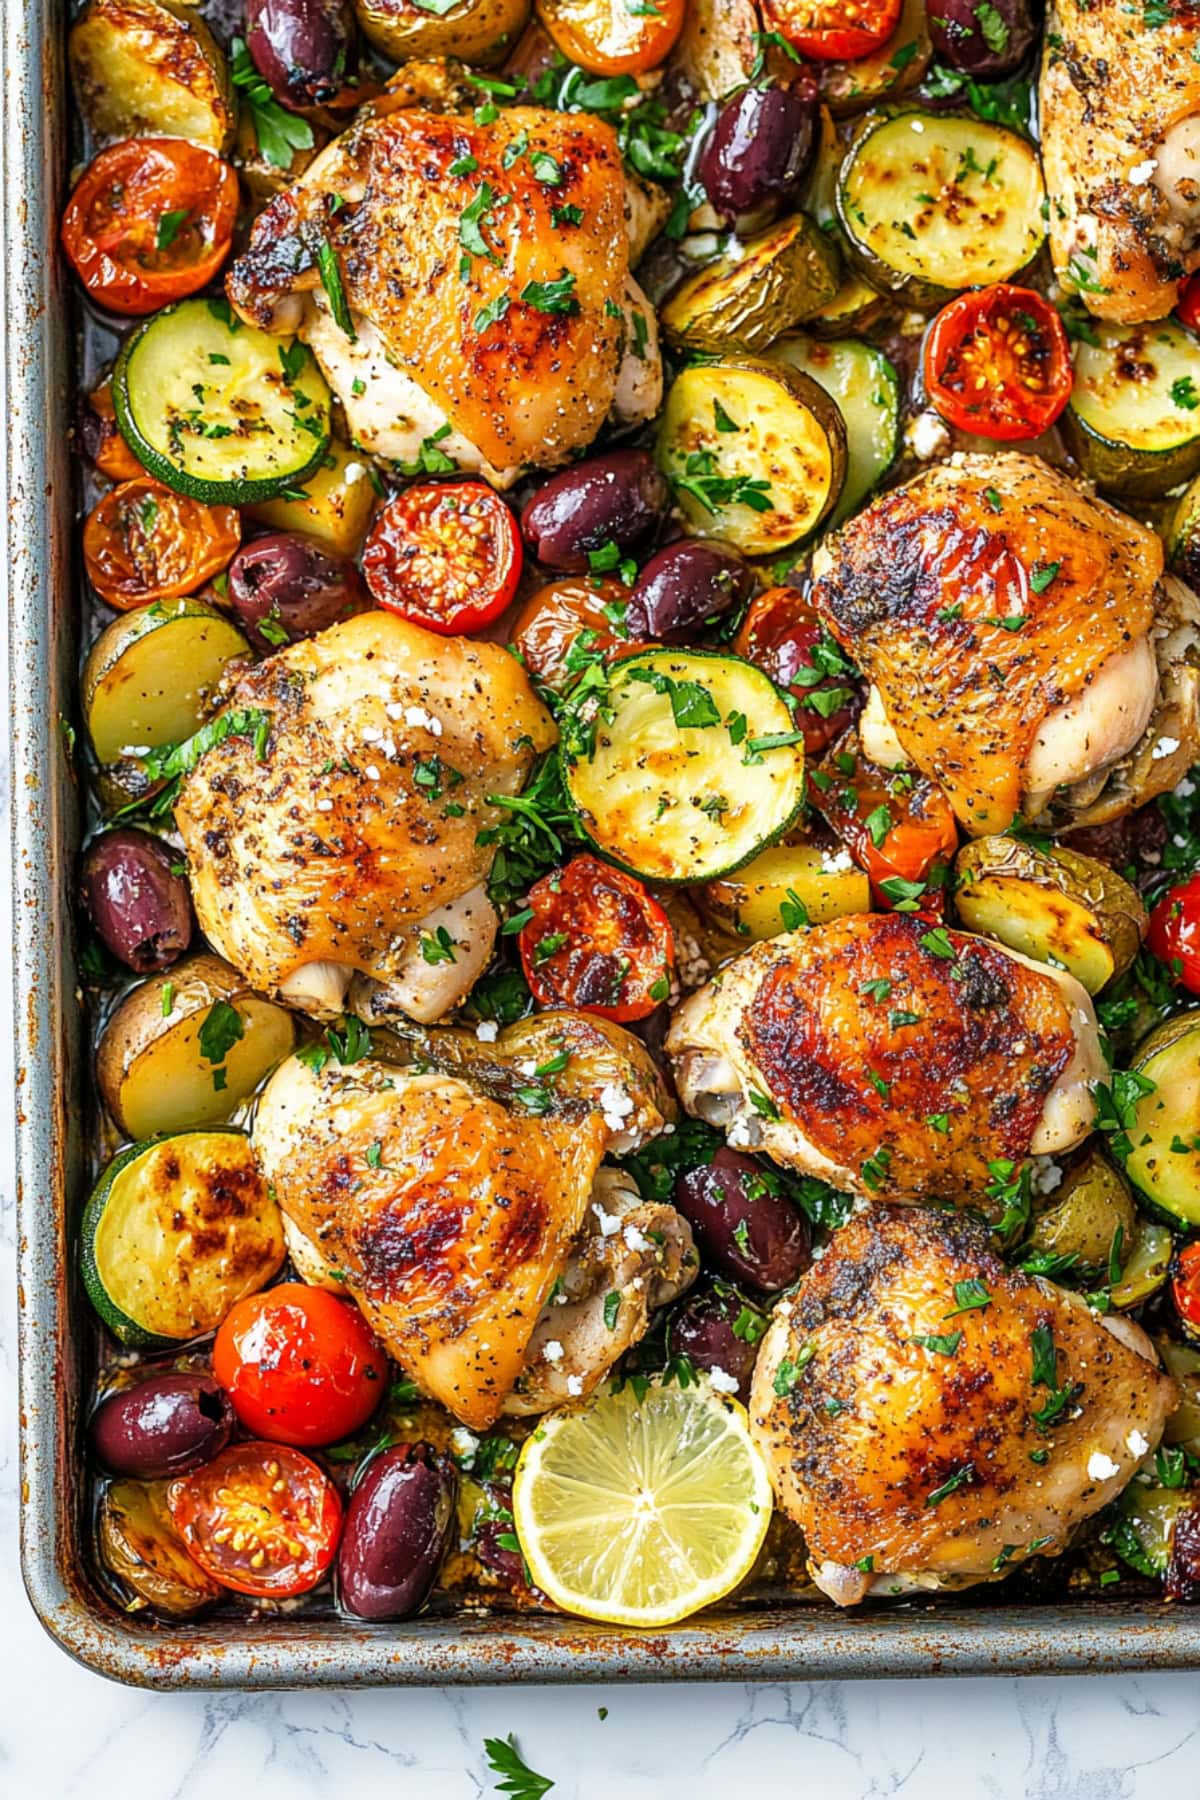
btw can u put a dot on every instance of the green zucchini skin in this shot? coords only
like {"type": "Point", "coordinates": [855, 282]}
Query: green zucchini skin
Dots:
{"type": "Point", "coordinates": [645, 806]}
{"type": "Point", "coordinates": [1133, 422]}
{"type": "Point", "coordinates": [866, 388]}
{"type": "Point", "coordinates": [126, 1330]}
{"type": "Point", "coordinates": [781, 275]}
{"type": "Point", "coordinates": [217, 410]}
{"type": "Point", "coordinates": [1167, 1180]}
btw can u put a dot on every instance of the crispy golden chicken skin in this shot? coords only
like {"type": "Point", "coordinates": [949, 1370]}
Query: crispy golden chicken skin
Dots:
{"type": "Point", "coordinates": [889, 1058]}
{"type": "Point", "coordinates": [931, 1416]}
{"type": "Point", "coordinates": [1120, 126]}
{"type": "Point", "coordinates": [988, 601]}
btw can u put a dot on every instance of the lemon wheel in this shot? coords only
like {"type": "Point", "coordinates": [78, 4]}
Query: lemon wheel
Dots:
{"type": "Point", "coordinates": [641, 1511]}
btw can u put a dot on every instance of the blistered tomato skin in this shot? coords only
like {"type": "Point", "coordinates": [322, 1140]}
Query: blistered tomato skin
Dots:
{"type": "Point", "coordinates": [997, 363]}
{"type": "Point", "coordinates": [286, 586]}
{"type": "Point", "coordinates": [137, 898]}
{"type": "Point", "coordinates": [301, 48]}
{"type": "Point", "coordinates": [620, 498]}
{"type": "Point", "coordinates": [781, 634]}
{"type": "Point", "coordinates": [260, 1519]}
{"type": "Point", "coordinates": [703, 1331]}
{"type": "Point", "coordinates": [299, 1365]}
{"type": "Point", "coordinates": [596, 941]}
{"type": "Point", "coordinates": [166, 1425]}
{"type": "Point", "coordinates": [746, 1231]}
{"type": "Point", "coordinates": [445, 555]}
{"type": "Point", "coordinates": [685, 585]}
{"type": "Point", "coordinates": [760, 149]}
{"type": "Point", "coordinates": [1174, 934]}
{"type": "Point", "coordinates": [398, 1527]}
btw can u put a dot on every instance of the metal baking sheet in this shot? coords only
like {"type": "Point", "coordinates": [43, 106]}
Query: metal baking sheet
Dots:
{"type": "Point", "coordinates": [36, 576]}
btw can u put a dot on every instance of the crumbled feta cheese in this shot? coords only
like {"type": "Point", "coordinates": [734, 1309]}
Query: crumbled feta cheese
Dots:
{"type": "Point", "coordinates": [464, 1443]}
{"type": "Point", "coordinates": [553, 1351]}
{"type": "Point", "coordinates": [416, 715]}
{"type": "Point", "coordinates": [354, 471]}
{"type": "Point", "coordinates": [135, 749]}
{"type": "Point", "coordinates": [609, 1223]}
{"type": "Point", "coordinates": [1136, 1444]}
{"type": "Point", "coordinates": [325, 805]}
{"type": "Point", "coordinates": [839, 863]}
{"type": "Point", "coordinates": [615, 1104]}
{"type": "Point", "coordinates": [927, 436]}
{"type": "Point", "coordinates": [723, 1382]}
{"type": "Point", "coordinates": [917, 126]}
{"type": "Point", "coordinates": [1101, 1467]}
{"type": "Point", "coordinates": [486, 1031]}
{"type": "Point", "coordinates": [575, 1385]}
{"type": "Point", "coordinates": [634, 1239]}
{"type": "Point", "coordinates": [745, 1133]}
{"type": "Point", "coordinates": [1166, 746]}
{"type": "Point", "coordinates": [1185, 788]}
{"type": "Point", "coordinates": [1046, 1175]}
{"type": "Point", "coordinates": [528, 1065]}
{"type": "Point", "coordinates": [372, 771]}
{"type": "Point", "coordinates": [370, 734]}
{"type": "Point", "coordinates": [1141, 172]}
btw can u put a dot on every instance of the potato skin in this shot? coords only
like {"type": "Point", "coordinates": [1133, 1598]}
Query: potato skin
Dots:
{"type": "Point", "coordinates": [476, 31]}
{"type": "Point", "coordinates": [141, 68]}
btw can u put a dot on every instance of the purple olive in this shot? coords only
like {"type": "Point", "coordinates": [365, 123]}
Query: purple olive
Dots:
{"type": "Point", "coordinates": [166, 1425]}
{"type": "Point", "coordinates": [743, 1222]}
{"type": "Point", "coordinates": [398, 1525]}
{"type": "Point", "coordinates": [1183, 1570]}
{"type": "Point", "coordinates": [302, 48]}
{"type": "Point", "coordinates": [984, 41]}
{"type": "Point", "coordinates": [500, 1558]}
{"type": "Point", "coordinates": [286, 586]}
{"type": "Point", "coordinates": [760, 149]}
{"type": "Point", "coordinates": [137, 898]}
{"type": "Point", "coordinates": [703, 1330]}
{"type": "Point", "coordinates": [684, 586]}
{"type": "Point", "coordinates": [620, 499]}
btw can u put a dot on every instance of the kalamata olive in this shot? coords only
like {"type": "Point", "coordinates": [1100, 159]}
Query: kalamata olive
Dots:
{"type": "Point", "coordinates": [686, 584]}
{"type": "Point", "coordinates": [137, 898]}
{"type": "Point", "coordinates": [286, 586]}
{"type": "Point", "coordinates": [704, 1330]}
{"type": "Point", "coordinates": [302, 48]}
{"type": "Point", "coordinates": [1183, 1570]}
{"type": "Point", "coordinates": [984, 41]}
{"type": "Point", "coordinates": [760, 149]}
{"type": "Point", "coordinates": [744, 1224]}
{"type": "Point", "coordinates": [619, 498]}
{"type": "Point", "coordinates": [398, 1524]}
{"type": "Point", "coordinates": [166, 1425]}
{"type": "Point", "coordinates": [500, 1558]}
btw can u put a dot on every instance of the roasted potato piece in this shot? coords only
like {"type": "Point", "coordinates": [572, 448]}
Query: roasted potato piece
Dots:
{"type": "Point", "coordinates": [777, 279]}
{"type": "Point", "coordinates": [1053, 905]}
{"type": "Point", "coordinates": [1092, 1205]}
{"type": "Point", "coordinates": [784, 888]}
{"type": "Point", "coordinates": [165, 1063]}
{"type": "Point", "coordinates": [142, 68]}
{"type": "Point", "coordinates": [151, 676]}
{"type": "Point", "coordinates": [337, 502]}
{"type": "Point", "coordinates": [139, 1545]}
{"type": "Point", "coordinates": [474, 31]}
{"type": "Point", "coordinates": [1182, 1363]}
{"type": "Point", "coordinates": [718, 45]}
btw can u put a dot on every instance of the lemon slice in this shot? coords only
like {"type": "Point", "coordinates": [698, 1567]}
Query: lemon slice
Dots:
{"type": "Point", "coordinates": [639, 1512]}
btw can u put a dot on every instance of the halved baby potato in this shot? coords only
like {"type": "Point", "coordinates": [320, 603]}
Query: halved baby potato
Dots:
{"type": "Point", "coordinates": [140, 1546]}
{"type": "Point", "coordinates": [151, 675]}
{"type": "Point", "coordinates": [334, 504]}
{"type": "Point", "coordinates": [743, 301]}
{"type": "Point", "coordinates": [473, 31]}
{"type": "Point", "coordinates": [185, 1049]}
{"type": "Point", "coordinates": [1053, 905]}
{"type": "Point", "coordinates": [142, 68]}
{"type": "Point", "coordinates": [785, 888]}
{"type": "Point", "coordinates": [1092, 1217]}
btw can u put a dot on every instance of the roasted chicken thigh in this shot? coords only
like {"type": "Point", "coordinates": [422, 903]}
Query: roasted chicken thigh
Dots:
{"type": "Point", "coordinates": [932, 1417]}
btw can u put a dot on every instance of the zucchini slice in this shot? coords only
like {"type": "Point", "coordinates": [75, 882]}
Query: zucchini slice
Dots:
{"type": "Point", "coordinates": [218, 410]}
{"type": "Point", "coordinates": [897, 66]}
{"type": "Point", "coordinates": [690, 767]}
{"type": "Point", "coordinates": [932, 203]}
{"type": "Point", "coordinates": [867, 390]}
{"type": "Point", "coordinates": [1146, 1266]}
{"type": "Point", "coordinates": [1134, 417]}
{"type": "Point", "coordinates": [151, 675]}
{"type": "Point", "coordinates": [756, 453]}
{"type": "Point", "coordinates": [1144, 1526]}
{"type": "Point", "coordinates": [785, 888]}
{"type": "Point", "coordinates": [1164, 1157]}
{"type": "Point", "coordinates": [743, 301]}
{"type": "Point", "coordinates": [855, 306]}
{"type": "Point", "coordinates": [175, 1232]}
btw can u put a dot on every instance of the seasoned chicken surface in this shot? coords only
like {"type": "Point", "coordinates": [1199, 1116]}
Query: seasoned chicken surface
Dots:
{"type": "Point", "coordinates": [1004, 619]}
{"type": "Point", "coordinates": [932, 1417]}
{"type": "Point", "coordinates": [890, 1059]}
{"type": "Point", "coordinates": [331, 838]}
{"type": "Point", "coordinates": [470, 298]}
{"type": "Point", "coordinates": [451, 1198]}
{"type": "Point", "coordinates": [1120, 124]}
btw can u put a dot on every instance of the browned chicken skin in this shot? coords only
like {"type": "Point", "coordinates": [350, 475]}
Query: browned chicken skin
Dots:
{"type": "Point", "coordinates": [924, 1432]}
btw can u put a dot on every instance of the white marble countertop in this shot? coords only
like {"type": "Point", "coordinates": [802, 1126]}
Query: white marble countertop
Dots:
{"type": "Point", "coordinates": [66, 1732]}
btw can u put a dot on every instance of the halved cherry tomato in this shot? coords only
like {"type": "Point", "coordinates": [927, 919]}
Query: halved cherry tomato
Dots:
{"type": "Point", "coordinates": [1174, 934]}
{"type": "Point", "coordinates": [1188, 304]}
{"type": "Point", "coordinates": [613, 37]}
{"type": "Point", "coordinates": [574, 612]}
{"type": "Point", "coordinates": [145, 542]}
{"type": "Point", "coordinates": [150, 221]}
{"type": "Point", "coordinates": [110, 454]}
{"type": "Point", "coordinates": [444, 554]}
{"type": "Point", "coordinates": [783, 635]}
{"type": "Point", "coordinates": [299, 1364]}
{"type": "Point", "coordinates": [898, 827]}
{"type": "Point", "coordinates": [1185, 1288]}
{"type": "Point", "coordinates": [597, 942]}
{"type": "Point", "coordinates": [833, 30]}
{"type": "Point", "coordinates": [259, 1518]}
{"type": "Point", "coordinates": [997, 363]}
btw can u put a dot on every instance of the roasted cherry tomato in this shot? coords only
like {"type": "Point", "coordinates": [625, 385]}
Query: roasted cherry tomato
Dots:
{"type": "Point", "coordinates": [444, 554]}
{"type": "Point", "coordinates": [597, 942]}
{"type": "Point", "coordinates": [1188, 304]}
{"type": "Point", "coordinates": [783, 635]}
{"type": "Point", "coordinates": [1174, 934]}
{"type": "Point", "coordinates": [833, 30]}
{"type": "Point", "coordinates": [574, 613]}
{"type": "Point", "coordinates": [898, 827]}
{"type": "Point", "coordinates": [997, 363]}
{"type": "Point", "coordinates": [103, 443]}
{"type": "Point", "coordinates": [299, 1364]}
{"type": "Point", "coordinates": [259, 1518]}
{"type": "Point", "coordinates": [150, 221]}
{"type": "Point", "coordinates": [145, 542]}
{"type": "Point", "coordinates": [613, 37]}
{"type": "Point", "coordinates": [1185, 1288]}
